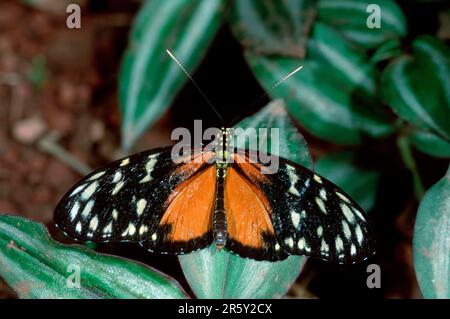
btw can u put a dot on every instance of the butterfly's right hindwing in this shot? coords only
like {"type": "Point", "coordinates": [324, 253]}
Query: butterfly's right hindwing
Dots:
{"type": "Point", "coordinates": [125, 200]}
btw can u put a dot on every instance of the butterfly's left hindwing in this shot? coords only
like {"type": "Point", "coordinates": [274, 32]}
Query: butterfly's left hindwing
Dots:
{"type": "Point", "coordinates": [126, 201]}
{"type": "Point", "coordinates": [312, 216]}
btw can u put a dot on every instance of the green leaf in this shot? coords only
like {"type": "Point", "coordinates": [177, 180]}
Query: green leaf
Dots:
{"type": "Point", "coordinates": [351, 18]}
{"type": "Point", "coordinates": [386, 51]}
{"type": "Point", "coordinates": [361, 183]}
{"type": "Point", "coordinates": [273, 27]}
{"type": "Point", "coordinates": [219, 274]}
{"type": "Point", "coordinates": [431, 243]}
{"type": "Point", "coordinates": [333, 96]}
{"type": "Point", "coordinates": [417, 88]}
{"type": "Point", "coordinates": [35, 266]}
{"type": "Point", "coordinates": [149, 79]}
{"type": "Point", "coordinates": [430, 143]}
{"type": "Point", "coordinates": [329, 47]}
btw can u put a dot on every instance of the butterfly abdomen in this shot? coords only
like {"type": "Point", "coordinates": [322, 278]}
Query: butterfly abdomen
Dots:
{"type": "Point", "coordinates": [219, 217]}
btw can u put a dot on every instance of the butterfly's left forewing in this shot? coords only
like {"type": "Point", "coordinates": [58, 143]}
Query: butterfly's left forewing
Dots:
{"type": "Point", "coordinates": [310, 215]}
{"type": "Point", "coordinates": [127, 200]}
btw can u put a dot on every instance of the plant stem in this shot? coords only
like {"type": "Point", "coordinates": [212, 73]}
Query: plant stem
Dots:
{"type": "Point", "coordinates": [410, 163]}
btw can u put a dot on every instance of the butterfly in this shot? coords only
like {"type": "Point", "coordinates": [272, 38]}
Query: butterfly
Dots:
{"type": "Point", "coordinates": [217, 196]}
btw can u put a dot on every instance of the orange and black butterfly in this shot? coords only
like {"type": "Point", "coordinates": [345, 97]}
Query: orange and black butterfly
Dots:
{"type": "Point", "coordinates": [179, 207]}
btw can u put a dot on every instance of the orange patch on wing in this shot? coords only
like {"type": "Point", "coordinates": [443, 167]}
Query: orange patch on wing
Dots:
{"type": "Point", "coordinates": [252, 170]}
{"type": "Point", "coordinates": [247, 210]}
{"type": "Point", "coordinates": [190, 211]}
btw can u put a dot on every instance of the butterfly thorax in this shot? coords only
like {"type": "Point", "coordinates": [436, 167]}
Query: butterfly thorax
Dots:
{"type": "Point", "coordinates": [222, 150]}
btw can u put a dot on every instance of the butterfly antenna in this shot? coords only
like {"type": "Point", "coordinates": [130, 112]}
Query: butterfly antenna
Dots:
{"type": "Point", "coordinates": [273, 87]}
{"type": "Point", "coordinates": [195, 83]}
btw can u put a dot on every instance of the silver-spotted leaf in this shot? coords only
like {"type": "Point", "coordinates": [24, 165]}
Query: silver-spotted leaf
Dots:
{"type": "Point", "coordinates": [431, 244]}
{"type": "Point", "coordinates": [417, 87]}
{"type": "Point", "coordinates": [365, 23]}
{"type": "Point", "coordinates": [149, 79]}
{"type": "Point", "coordinates": [333, 95]}
{"type": "Point", "coordinates": [273, 27]}
{"type": "Point", "coordinates": [36, 266]}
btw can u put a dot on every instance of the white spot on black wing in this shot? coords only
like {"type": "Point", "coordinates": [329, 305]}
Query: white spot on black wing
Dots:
{"type": "Point", "coordinates": [324, 247]}
{"type": "Point", "coordinates": [87, 209]}
{"type": "Point", "coordinates": [89, 191]}
{"type": "Point", "coordinates": [347, 213]}
{"type": "Point", "coordinates": [343, 197]}
{"type": "Point", "coordinates": [323, 193]}
{"type": "Point", "coordinates": [295, 218]}
{"type": "Point", "coordinates": [125, 162]}
{"type": "Point", "coordinates": [117, 176]}
{"type": "Point", "coordinates": [143, 229]}
{"type": "Point", "coordinates": [346, 230]}
{"type": "Point", "coordinates": [78, 189]}
{"type": "Point", "coordinates": [321, 205]}
{"type": "Point", "coordinates": [293, 178]}
{"type": "Point", "coordinates": [130, 230]}
{"type": "Point", "coordinates": [319, 231]}
{"type": "Point", "coordinates": [359, 234]}
{"type": "Point", "coordinates": [94, 177]}
{"type": "Point", "coordinates": [318, 179]}
{"type": "Point", "coordinates": [353, 250]}
{"type": "Point", "coordinates": [140, 206]}
{"type": "Point", "coordinates": [301, 244]}
{"type": "Point", "coordinates": [152, 160]}
{"type": "Point", "coordinates": [117, 188]}
{"type": "Point", "coordinates": [94, 223]}
{"type": "Point", "coordinates": [339, 244]}
{"type": "Point", "coordinates": [358, 213]}
{"type": "Point", "coordinates": [290, 242]}
{"type": "Point", "coordinates": [108, 229]}
{"type": "Point", "coordinates": [74, 211]}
